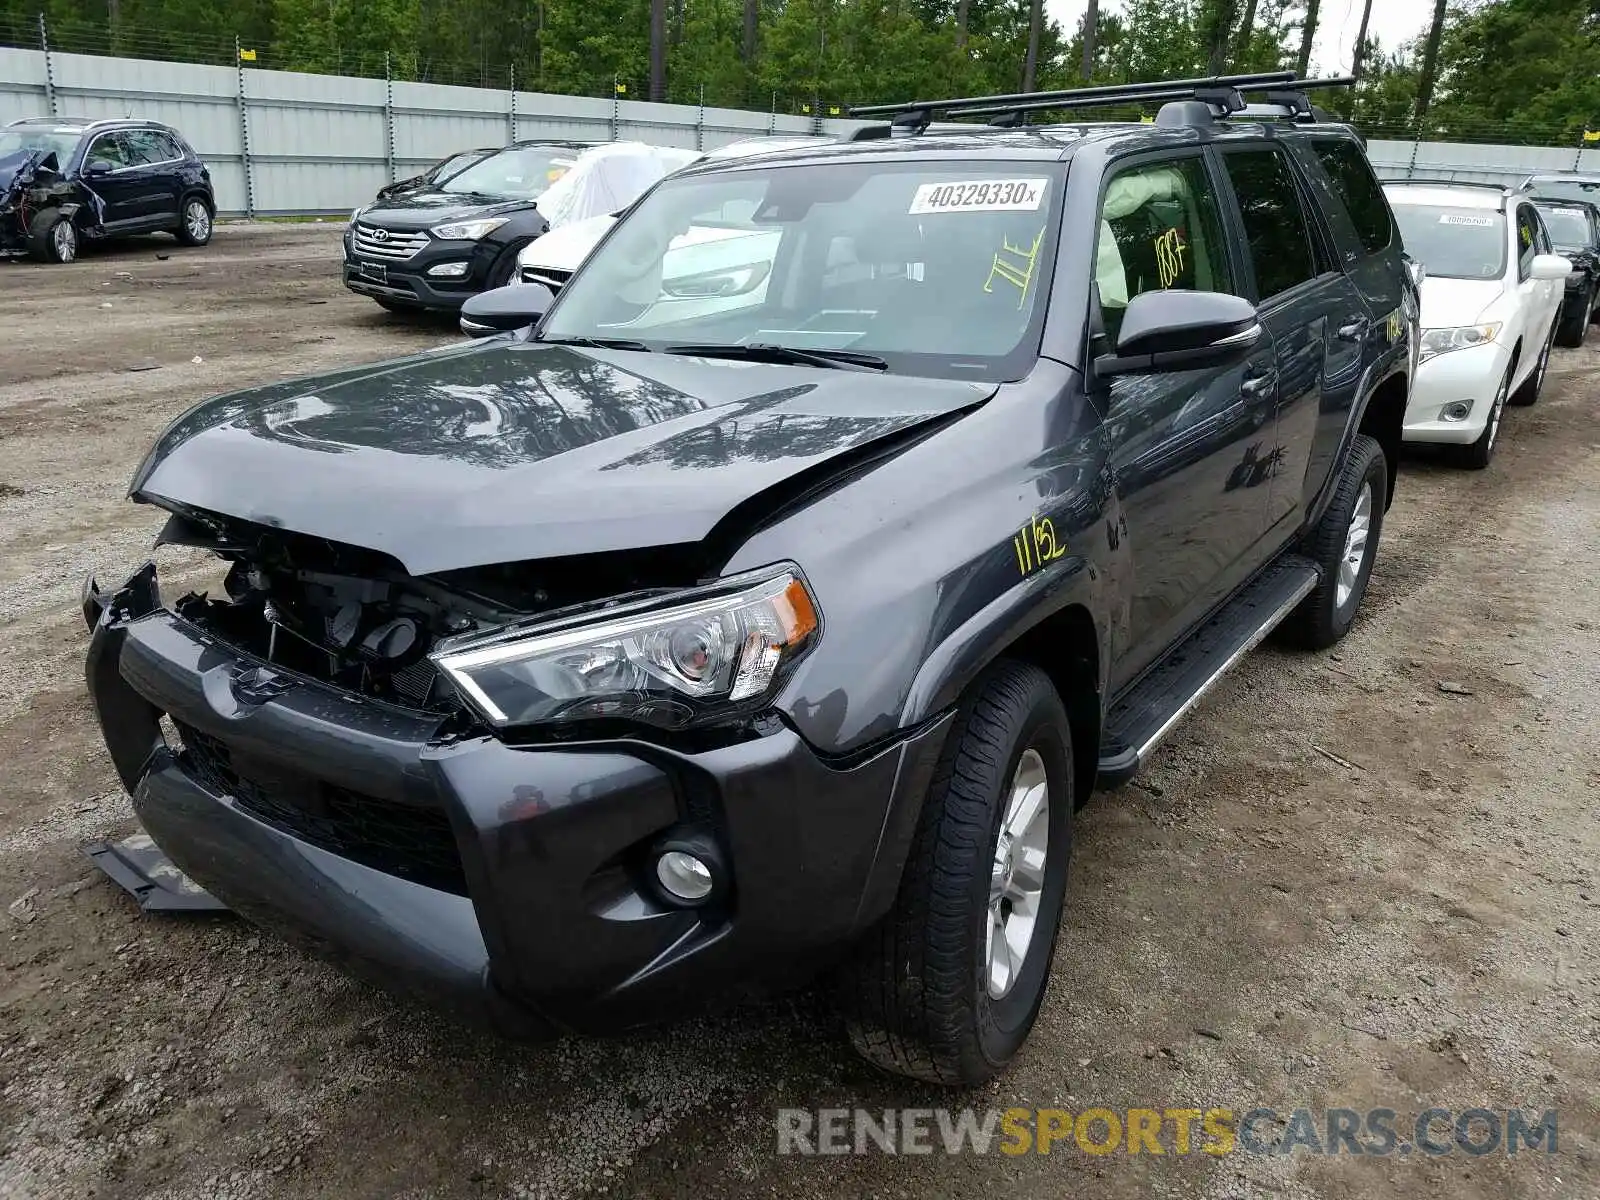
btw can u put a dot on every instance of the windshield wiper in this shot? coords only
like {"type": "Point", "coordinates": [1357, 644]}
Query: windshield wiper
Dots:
{"type": "Point", "coordinates": [846, 360]}
{"type": "Point", "coordinates": [596, 343]}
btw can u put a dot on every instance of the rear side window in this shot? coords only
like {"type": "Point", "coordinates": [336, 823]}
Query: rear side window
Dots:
{"type": "Point", "coordinates": [1275, 223]}
{"type": "Point", "coordinates": [1353, 179]}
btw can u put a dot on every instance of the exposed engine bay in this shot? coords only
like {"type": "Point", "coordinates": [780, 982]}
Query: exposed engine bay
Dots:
{"type": "Point", "coordinates": [29, 183]}
{"type": "Point", "coordinates": [354, 618]}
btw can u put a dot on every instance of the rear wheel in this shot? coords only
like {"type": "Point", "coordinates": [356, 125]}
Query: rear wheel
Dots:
{"type": "Point", "coordinates": [1477, 455]}
{"type": "Point", "coordinates": [947, 987]}
{"type": "Point", "coordinates": [194, 227]}
{"type": "Point", "coordinates": [1343, 544]}
{"type": "Point", "coordinates": [53, 238]}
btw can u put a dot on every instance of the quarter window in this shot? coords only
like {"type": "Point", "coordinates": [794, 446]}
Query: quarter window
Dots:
{"type": "Point", "coordinates": [1159, 228]}
{"type": "Point", "coordinates": [1275, 223]}
{"type": "Point", "coordinates": [1353, 179]}
{"type": "Point", "coordinates": [1527, 240]}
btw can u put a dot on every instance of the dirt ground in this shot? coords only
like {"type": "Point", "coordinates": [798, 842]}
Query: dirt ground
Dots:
{"type": "Point", "coordinates": [1339, 885]}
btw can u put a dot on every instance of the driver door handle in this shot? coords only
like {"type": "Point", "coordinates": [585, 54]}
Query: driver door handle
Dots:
{"type": "Point", "coordinates": [1354, 331]}
{"type": "Point", "coordinates": [1258, 385]}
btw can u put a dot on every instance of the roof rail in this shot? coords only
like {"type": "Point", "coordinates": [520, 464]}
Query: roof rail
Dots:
{"type": "Point", "coordinates": [1218, 92]}
{"type": "Point", "coordinates": [1425, 181]}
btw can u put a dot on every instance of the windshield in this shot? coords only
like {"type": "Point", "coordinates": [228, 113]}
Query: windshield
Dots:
{"type": "Point", "coordinates": [936, 268]}
{"type": "Point", "coordinates": [1454, 243]}
{"type": "Point", "coordinates": [519, 174]}
{"type": "Point", "coordinates": [455, 163]}
{"type": "Point", "coordinates": [1569, 228]}
{"type": "Point", "coordinates": [40, 137]}
{"type": "Point", "coordinates": [1564, 188]}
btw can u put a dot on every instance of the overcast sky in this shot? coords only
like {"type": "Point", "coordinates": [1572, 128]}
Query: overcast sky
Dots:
{"type": "Point", "coordinates": [1393, 21]}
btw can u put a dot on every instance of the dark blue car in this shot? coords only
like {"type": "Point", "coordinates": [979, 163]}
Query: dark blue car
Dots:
{"type": "Point", "coordinates": [65, 181]}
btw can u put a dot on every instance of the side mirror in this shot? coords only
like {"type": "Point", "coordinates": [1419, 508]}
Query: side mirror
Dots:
{"type": "Point", "coordinates": [1182, 331]}
{"type": "Point", "coordinates": [98, 167]}
{"type": "Point", "coordinates": [502, 309]}
{"type": "Point", "coordinates": [1550, 266]}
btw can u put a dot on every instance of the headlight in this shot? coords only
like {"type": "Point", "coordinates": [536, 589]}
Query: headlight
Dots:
{"type": "Point", "coordinates": [708, 654]}
{"type": "Point", "coordinates": [1461, 337]}
{"type": "Point", "coordinates": [468, 231]}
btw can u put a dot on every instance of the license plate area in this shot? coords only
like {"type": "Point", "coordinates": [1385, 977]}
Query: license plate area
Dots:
{"type": "Point", "coordinates": [376, 272]}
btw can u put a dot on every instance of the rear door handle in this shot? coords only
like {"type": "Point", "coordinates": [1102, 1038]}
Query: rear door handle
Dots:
{"type": "Point", "coordinates": [1354, 331]}
{"type": "Point", "coordinates": [1258, 385]}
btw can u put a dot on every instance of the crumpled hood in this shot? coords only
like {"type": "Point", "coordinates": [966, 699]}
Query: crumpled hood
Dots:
{"type": "Point", "coordinates": [428, 207]}
{"type": "Point", "coordinates": [1447, 303]}
{"type": "Point", "coordinates": [506, 451]}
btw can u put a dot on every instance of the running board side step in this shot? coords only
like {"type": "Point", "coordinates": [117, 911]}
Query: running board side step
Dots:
{"type": "Point", "coordinates": [1138, 722]}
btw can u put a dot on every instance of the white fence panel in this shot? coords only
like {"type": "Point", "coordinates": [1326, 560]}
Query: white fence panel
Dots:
{"type": "Point", "coordinates": [299, 143]}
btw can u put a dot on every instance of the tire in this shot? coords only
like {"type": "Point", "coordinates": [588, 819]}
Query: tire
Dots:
{"type": "Point", "coordinates": [1324, 617]}
{"type": "Point", "coordinates": [504, 269]}
{"type": "Point", "coordinates": [1476, 456]}
{"type": "Point", "coordinates": [1528, 393]}
{"type": "Point", "coordinates": [1573, 331]}
{"type": "Point", "coordinates": [921, 995]}
{"type": "Point", "coordinates": [53, 238]}
{"type": "Point", "coordinates": [195, 222]}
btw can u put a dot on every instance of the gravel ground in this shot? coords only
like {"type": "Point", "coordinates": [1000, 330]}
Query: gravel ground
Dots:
{"type": "Point", "coordinates": [1340, 884]}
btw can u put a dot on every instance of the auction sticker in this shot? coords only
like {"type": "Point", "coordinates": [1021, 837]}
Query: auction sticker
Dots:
{"type": "Point", "coordinates": [979, 195]}
{"type": "Point", "coordinates": [1475, 222]}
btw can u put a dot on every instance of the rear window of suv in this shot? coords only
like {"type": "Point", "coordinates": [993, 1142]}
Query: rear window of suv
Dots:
{"type": "Point", "coordinates": [1353, 179]}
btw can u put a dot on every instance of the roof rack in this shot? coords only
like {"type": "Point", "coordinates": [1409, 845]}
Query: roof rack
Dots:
{"type": "Point", "coordinates": [1218, 95]}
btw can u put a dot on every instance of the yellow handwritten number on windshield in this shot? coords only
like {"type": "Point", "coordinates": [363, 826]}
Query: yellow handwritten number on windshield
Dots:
{"type": "Point", "coordinates": [1015, 265]}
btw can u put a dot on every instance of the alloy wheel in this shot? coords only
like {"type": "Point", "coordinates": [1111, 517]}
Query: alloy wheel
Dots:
{"type": "Point", "coordinates": [1497, 410]}
{"type": "Point", "coordinates": [1017, 881]}
{"type": "Point", "coordinates": [1355, 547]}
{"type": "Point", "coordinates": [64, 240]}
{"type": "Point", "coordinates": [197, 220]}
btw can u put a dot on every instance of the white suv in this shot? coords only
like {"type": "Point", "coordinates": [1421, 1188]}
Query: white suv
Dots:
{"type": "Point", "coordinates": [1490, 297]}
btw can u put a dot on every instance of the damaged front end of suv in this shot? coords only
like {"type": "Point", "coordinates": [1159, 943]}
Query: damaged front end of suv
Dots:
{"type": "Point", "coordinates": [30, 184]}
{"type": "Point", "coordinates": [531, 769]}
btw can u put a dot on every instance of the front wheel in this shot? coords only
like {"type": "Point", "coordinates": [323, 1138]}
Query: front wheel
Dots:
{"type": "Point", "coordinates": [1343, 545]}
{"type": "Point", "coordinates": [53, 238]}
{"type": "Point", "coordinates": [194, 229]}
{"type": "Point", "coordinates": [1528, 393]}
{"type": "Point", "coordinates": [1477, 456]}
{"type": "Point", "coordinates": [1574, 330]}
{"type": "Point", "coordinates": [946, 988]}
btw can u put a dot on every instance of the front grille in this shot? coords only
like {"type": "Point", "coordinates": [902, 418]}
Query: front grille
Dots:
{"type": "Point", "coordinates": [399, 839]}
{"type": "Point", "coordinates": [389, 245]}
{"type": "Point", "coordinates": [553, 279]}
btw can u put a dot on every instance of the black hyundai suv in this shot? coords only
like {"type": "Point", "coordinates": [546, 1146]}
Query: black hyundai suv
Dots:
{"type": "Point", "coordinates": [432, 245]}
{"type": "Point", "coordinates": [768, 605]}
{"type": "Point", "coordinates": [66, 181]}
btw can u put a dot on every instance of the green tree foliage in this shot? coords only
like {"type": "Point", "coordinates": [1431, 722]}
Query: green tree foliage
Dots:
{"type": "Point", "coordinates": [1507, 70]}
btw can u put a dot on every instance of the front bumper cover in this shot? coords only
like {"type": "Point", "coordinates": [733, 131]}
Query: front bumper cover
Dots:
{"type": "Point", "coordinates": [554, 927]}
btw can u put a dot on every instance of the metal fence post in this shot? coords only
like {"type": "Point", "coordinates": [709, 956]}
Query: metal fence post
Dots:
{"type": "Point", "coordinates": [772, 116]}
{"type": "Point", "coordinates": [244, 132]}
{"type": "Point", "coordinates": [388, 116]}
{"type": "Point", "coordinates": [511, 116]}
{"type": "Point", "coordinates": [1416, 142]}
{"type": "Point", "coordinates": [616, 109]}
{"type": "Point", "coordinates": [49, 69]}
{"type": "Point", "coordinates": [700, 122]}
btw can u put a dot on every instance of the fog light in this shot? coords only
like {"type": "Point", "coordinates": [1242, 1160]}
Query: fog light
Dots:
{"type": "Point", "coordinates": [684, 876]}
{"type": "Point", "coordinates": [451, 270]}
{"type": "Point", "coordinates": [1457, 411]}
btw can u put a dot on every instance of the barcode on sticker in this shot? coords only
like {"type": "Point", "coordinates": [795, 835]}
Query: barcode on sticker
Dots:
{"type": "Point", "coordinates": [979, 195]}
{"type": "Point", "coordinates": [1475, 222]}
